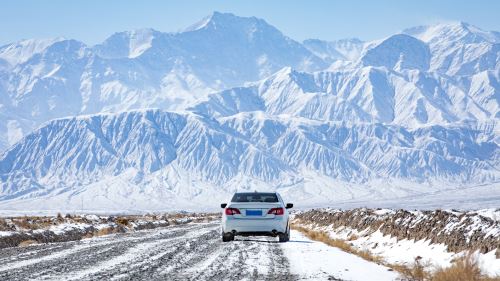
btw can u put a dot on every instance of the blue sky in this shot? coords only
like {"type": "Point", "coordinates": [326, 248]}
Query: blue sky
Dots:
{"type": "Point", "coordinates": [91, 21]}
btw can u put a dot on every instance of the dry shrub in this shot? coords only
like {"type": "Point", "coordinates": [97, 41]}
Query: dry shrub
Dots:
{"type": "Point", "coordinates": [26, 243]}
{"type": "Point", "coordinates": [416, 272]}
{"type": "Point", "coordinates": [352, 237]}
{"type": "Point", "coordinates": [122, 221]}
{"type": "Point", "coordinates": [176, 216]}
{"type": "Point", "coordinates": [105, 231]}
{"type": "Point", "coordinates": [60, 218]}
{"type": "Point", "coordinates": [465, 268]}
{"type": "Point", "coordinates": [78, 219]}
{"type": "Point", "coordinates": [32, 222]}
{"type": "Point", "coordinates": [4, 226]}
{"type": "Point", "coordinates": [23, 223]}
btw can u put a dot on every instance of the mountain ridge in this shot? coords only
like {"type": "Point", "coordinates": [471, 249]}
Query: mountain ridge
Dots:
{"type": "Point", "coordinates": [232, 103]}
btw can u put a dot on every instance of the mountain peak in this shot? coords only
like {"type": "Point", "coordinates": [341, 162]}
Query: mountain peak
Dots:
{"type": "Point", "coordinates": [452, 31]}
{"type": "Point", "coordinates": [129, 44]}
{"type": "Point", "coordinates": [399, 51]}
{"type": "Point", "coordinates": [220, 19]}
{"type": "Point", "coordinates": [23, 50]}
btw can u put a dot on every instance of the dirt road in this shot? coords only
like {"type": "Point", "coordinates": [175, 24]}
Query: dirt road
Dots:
{"type": "Point", "coordinates": [187, 252]}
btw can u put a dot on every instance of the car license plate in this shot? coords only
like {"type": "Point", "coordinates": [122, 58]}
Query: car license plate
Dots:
{"type": "Point", "coordinates": [254, 212]}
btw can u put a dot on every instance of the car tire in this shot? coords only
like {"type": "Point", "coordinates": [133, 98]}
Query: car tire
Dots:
{"type": "Point", "coordinates": [283, 237]}
{"type": "Point", "coordinates": [227, 237]}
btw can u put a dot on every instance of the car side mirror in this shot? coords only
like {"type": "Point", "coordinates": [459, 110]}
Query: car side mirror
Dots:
{"type": "Point", "coordinates": [289, 205]}
{"type": "Point", "coordinates": [223, 205]}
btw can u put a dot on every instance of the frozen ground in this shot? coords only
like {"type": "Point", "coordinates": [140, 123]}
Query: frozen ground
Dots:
{"type": "Point", "coordinates": [188, 252]}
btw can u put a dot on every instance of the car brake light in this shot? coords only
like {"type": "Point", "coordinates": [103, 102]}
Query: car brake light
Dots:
{"type": "Point", "coordinates": [232, 211]}
{"type": "Point", "coordinates": [276, 211]}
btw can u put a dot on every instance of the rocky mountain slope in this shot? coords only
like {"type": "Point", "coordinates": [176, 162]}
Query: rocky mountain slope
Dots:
{"type": "Point", "coordinates": [242, 106]}
{"type": "Point", "coordinates": [45, 79]}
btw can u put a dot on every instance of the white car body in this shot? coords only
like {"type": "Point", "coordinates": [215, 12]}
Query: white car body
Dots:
{"type": "Point", "coordinates": [254, 218]}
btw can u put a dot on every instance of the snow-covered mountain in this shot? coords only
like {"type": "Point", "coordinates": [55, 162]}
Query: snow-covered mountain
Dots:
{"type": "Point", "coordinates": [189, 156]}
{"type": "Point", "coordinates": [242, 106]}
{"type": "Point", "coordinates": [344, 49]}
{"type": "Point", "coordinates": [410, 98]}
{"type": "Point", "coordinates": [459, 48]}
{"type": "Point", "coordinates": [45, 79]}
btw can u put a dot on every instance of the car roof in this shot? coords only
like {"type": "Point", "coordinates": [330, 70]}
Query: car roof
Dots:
{"type": "Point", "coordinates": [267, 193]}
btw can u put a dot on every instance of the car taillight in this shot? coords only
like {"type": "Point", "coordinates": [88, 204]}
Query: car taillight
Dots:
{"type": "Point", "coordinates": [276, 211]}
{"type": "Point", "coordinates": [232, 211]}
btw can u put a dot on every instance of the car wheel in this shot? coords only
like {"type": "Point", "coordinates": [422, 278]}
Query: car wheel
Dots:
{"type": "Point", "coordinates": [286, 235]}
{"type": "Point", "coordinates": [283, 237]}
{"type": "Point", "coordinates": [226, 237]}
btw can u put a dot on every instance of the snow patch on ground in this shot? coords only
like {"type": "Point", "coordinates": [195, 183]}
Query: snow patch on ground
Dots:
{"type": "Point", "coordinates": [318, 261]}
{"type": "Point", "coordinates": [472, 225]}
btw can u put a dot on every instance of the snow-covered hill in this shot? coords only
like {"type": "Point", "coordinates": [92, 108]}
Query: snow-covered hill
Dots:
{"type": "Point", "coordinates": [410, 98]}
{"type": "Point", "coordinates": [129, 157]}
{"type": "Point", "coordinates": [345, 49]}
{"type": "Point", "coordinates": [242, 106]}
{"type": "Point", "coordinates": [459, 48]}
{"type": "Point", "coordinates": [45, 79]}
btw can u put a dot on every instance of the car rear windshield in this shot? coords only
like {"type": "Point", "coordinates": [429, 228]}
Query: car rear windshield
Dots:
{"type": "Point", "coordinates": [255, 197]}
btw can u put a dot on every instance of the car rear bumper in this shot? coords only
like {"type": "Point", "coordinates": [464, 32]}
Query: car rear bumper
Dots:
{"type": "Point", "coordinates": [254, 226]}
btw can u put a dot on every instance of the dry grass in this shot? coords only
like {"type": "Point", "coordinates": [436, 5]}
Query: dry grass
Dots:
{"type": "Point", "coordinates": [338, 243]}
{"type": "Point", "coordinates": [32, 222]}
{"type": "Point", "coordinates": [464, 269]}
{"type": "Point", "coordinates": [4, 226]}
{"type": "Point", "coordinates": [415, 272]}
{"type": "Point", "coordinates": [352, 237]}
{"type": "Point", "coordinates": [122, 221]}
{"type": "Point", "coordinates": [26, 243]}
{"type": "Point", "coordinates": [24, 223]}
{"type": "Point", "coordinates": [105, 231]}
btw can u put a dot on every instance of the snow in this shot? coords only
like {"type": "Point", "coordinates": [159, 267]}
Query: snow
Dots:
{"type": "Point", "coordinates": [345, 49]}
{"type": "Point", "coordinates": [15, 133]}
{"type": "Point", "coordinates": [407, 120]}
{"type": "Point", "coordinates": [142, 159]}
{"type": "Point", "coordinates": [50, 257]}
{"type": "Point", "coordinates": [22, 51]}
{"type": "Point", "coordinates": [127, 256]}
{"type": "Point", "coordinates": [6, 233]}
{"type": "Point", "coordinates": [493, 214]}
{"type": "Point", "coordinates": [319, 261]}
{"type": "Point", "coordinates": [404, 251]}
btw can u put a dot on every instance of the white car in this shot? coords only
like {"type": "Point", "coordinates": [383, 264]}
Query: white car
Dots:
{"type": "Point", "coordinates": [256, 213]}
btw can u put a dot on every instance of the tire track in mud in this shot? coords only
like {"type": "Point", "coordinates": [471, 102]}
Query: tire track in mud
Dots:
{"type": "Point", "coordinates": [193, 252]}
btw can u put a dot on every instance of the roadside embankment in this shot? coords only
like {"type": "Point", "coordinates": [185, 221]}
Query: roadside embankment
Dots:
{"type": "Point", "coordinates": [432, 239]}
{"type": "Point", "coordinates": [23, 231]}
